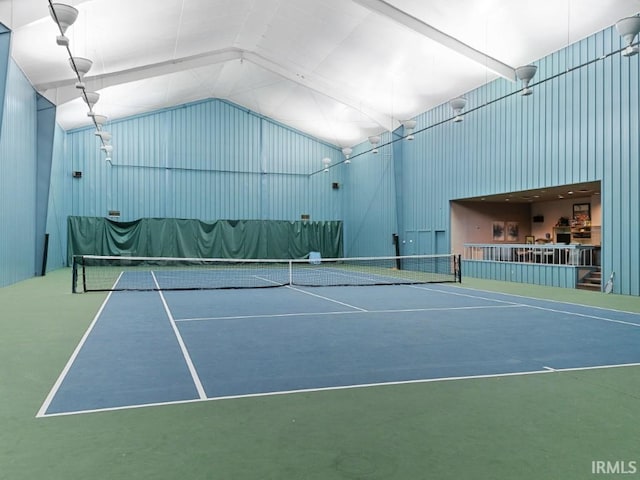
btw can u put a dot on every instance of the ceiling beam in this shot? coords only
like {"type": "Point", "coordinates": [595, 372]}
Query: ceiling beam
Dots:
{"type": "Point", "coordinates": [322, 86]}
{"type": "Point", "coordinates": [63, 91]}
{"type": "Point", "coordinates": [389, 11]}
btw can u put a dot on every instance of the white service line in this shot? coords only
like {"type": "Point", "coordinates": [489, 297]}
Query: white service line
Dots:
{"type": "Point", "coordinates": [348, 312]}
{"type": "Point", "coordinates": [326, 298]}
{"type": "Point", "coordinates": [192, 369]}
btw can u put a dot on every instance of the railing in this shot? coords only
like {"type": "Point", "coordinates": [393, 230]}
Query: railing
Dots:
{"type": "Point", "coordinates": [550, 254]}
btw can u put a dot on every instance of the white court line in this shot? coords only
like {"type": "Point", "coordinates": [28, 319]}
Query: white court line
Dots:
{"type": "Point", "coordinates": [477, 297]}
{"type": "Point", "coordinates": [67, 367]}
{"type": "Point", "coordinates": [346, 312]}
{"type": "Point", "coordinates": [325, 298]}
{"type": "Point", "coordinates": [608, 309]}
{"type": "Point", "coordinates": [586, 315]}
{"type": "Point", "coordinates": [546, 370]}
{"type": "Point", "coordinates": [185, 352]}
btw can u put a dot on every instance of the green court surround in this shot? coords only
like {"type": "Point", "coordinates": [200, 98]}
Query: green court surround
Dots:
{"type": "Point", "coordinates": [526, 427]}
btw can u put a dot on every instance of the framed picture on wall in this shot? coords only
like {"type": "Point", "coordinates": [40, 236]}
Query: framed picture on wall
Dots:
{"type": "Point", "coordinates": [581, 213]}
{"type": "Point", "coordinates": [498, 231]}
{"type": "Point", "coordinates": [529, 239]}
{"type": "Point", "coordinates": [512, 231]}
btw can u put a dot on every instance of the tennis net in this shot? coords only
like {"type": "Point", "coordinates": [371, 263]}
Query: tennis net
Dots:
{"type": "Point", "coordinates": [109, 273]}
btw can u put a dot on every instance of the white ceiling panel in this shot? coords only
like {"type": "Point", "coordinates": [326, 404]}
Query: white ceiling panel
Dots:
{"type": "Point", "coordinates": [339, 70]}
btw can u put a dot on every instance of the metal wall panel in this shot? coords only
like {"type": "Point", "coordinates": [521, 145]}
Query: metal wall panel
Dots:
{"type": "Point", "coordinates": [59, 202]}
{"type": "Point", "coordinates": [370, 200]}
{"type": "Point", "coordinates": [208, 160]}
{"type": "Point", "coordinates": [214, 160]}
{"type": "Point", "coordinates": [557, 275]}
{"type": "Point", "coordinates": [293, 178]}
{"type": "Point", "coordinates": [581, 124]}
{"type": "Point", "coordinates": [18, 142]}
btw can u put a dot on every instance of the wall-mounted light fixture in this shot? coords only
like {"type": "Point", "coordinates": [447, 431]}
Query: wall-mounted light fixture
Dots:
{"type": "Point", "coordinates": [374, 141]}
{"type": "Point", "coordinates": [628, 28]}
{"type": "Point", "coordinates": [346, 151]}
{"type": "Point", "coordinates": [457, 104]}
{"type": "Point", "coordinates": [525, 74]}
{"type": "Point", "coordinates": [409, 125]}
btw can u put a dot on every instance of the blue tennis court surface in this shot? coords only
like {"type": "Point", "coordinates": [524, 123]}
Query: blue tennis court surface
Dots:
{"type": "Point", "coordinates": [150, 348]}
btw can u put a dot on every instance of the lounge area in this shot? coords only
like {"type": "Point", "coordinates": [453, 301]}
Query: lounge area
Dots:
{"type": "Point", "coordinates": [549, 228]}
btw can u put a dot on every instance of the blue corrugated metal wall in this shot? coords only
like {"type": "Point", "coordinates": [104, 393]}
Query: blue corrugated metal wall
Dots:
{"type": "Point", "coordinates": [17, 179]}
{"type": "Point", "coordinates": [370, 200]}
{"type": "Point", "coordinates": [214, 160]}
{"type": "Point", "coordinates": [46, 126]}
{"type": "Point", "coordinates": [209, 160]}
{"type": "Point", "coordinates": [580, 125]}
{"type": "Point", "coordinates": [59, 202]}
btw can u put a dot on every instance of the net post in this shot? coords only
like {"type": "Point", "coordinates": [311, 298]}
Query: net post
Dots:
{"type": "Point", "coordinates": [74, 275]}
{"type": "Point", "coordinates": [290, 272]}
{"type": "Point", "coordinates": [84, 275]}
{"type": "Point", "coordinates": [458, 261]}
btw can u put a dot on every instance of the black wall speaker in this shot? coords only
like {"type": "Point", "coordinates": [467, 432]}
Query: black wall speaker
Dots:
{"type": "Point", "coordinates": [538, 218]}
{"type": "Point", "coordinates": [77, 174]}
{"type": "Point", "coordinates": [335, 185]}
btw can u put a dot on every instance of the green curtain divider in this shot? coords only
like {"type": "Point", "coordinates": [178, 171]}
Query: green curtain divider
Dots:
{"type": "Point", "coordinates": [174, 237]}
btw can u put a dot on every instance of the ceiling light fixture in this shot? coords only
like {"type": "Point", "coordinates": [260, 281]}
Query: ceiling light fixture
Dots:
{"type": "Point", "coordinates": [409, 125]}
{"type": "Point", "coordinates": [326, 162]}
{"type": "Point", "coordinates": [374, 141]}
{"type": "Point", "coordinates": [91, 98]}
{"type": "Point", "coordinates": [99, 119]}
{"type": "Point", "coordinates": [64, 16]}
{"type": "Point", "coordinates": [346, 151]}
{"type": "Point", "coordinates": [458, 104]}
{"type": "Point", "coordinates": [525, 74]}
{"type": "Point", "coordinates": [628, 28]}
{"type": "Point", "coordinates": [81, 66]}
{"type": "Point", "coordinates": [104, 136]}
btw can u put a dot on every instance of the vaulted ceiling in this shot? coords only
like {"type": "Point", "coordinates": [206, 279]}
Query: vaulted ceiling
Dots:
{"type": "Point", "coordinates": [340, 70]}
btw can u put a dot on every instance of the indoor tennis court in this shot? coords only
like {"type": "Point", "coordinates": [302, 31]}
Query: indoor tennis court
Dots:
{"type": "Point", "coordinates": [153, 348]}
{"type": "Point", "coordinates": [319, 239]}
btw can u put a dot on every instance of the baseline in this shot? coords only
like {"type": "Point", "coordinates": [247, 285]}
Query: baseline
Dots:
{"type": "Point", "coordinates": [545, 371]}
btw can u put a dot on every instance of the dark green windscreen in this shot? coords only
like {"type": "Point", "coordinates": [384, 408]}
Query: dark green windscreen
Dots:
{"type": "Point", "coordinates": [173, 237]}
